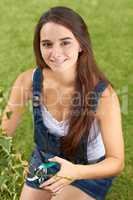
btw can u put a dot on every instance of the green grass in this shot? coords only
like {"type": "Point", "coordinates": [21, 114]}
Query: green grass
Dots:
{"type": "Point", "coordinates": [111, 29]}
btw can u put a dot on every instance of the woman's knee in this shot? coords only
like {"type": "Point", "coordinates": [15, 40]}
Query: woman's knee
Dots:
{"type": "Point", "coordinates": [34, 194]}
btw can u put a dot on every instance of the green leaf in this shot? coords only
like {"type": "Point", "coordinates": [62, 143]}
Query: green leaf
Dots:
{"type": "Point", "coordinates": [8, 114]}
{"type": "Point", "coordinates": [6, 143]}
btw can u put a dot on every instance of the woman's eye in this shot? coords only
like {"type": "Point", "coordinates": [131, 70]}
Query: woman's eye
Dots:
{"type": "Point", "coordinates": [47, 45]}
{"type": "Point", "coordinates": [65, 43]}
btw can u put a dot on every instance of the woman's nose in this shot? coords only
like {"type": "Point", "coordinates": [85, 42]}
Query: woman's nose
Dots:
{"type": "Point", "coordinates": [56, 52]}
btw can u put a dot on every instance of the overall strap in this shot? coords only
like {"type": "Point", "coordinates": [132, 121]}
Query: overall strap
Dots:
{"type": "Point", "coordinates": [39, 128]}
{"type": "Point", "coordinates": [96, 94]}
{"type": "Point", "coordinates": [44, 141]}
{"type": "Point", "coordinates": [37, 86]}
{"type": "Point", "coordinates": [36, 98]}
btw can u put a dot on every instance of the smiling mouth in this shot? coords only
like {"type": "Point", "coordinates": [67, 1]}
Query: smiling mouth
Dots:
{"type": "Point", "coordinates": [56, 62]}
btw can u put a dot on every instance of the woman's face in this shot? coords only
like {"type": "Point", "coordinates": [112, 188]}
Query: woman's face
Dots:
{"type": "Point", "coordinates": [59, 47]}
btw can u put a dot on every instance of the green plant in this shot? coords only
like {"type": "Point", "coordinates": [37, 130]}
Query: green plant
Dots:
{"type": "Point", "coordinates": [11, 164]}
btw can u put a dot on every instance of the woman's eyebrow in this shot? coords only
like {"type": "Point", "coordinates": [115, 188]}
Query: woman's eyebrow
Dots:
{"type": "Point", "coordinates": [61, 39]}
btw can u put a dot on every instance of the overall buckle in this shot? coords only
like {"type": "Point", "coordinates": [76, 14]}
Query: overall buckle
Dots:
{"type": "Point", "coordinates": [36, 101]}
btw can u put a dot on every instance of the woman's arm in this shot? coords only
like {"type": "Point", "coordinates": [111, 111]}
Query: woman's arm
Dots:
{"type": "Point", "coordinates": [109, 116]}
{"type": "Point", "coordinates": [20, 94]}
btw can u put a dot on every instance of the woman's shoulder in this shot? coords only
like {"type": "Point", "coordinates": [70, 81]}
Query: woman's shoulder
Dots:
{"type": "Point", "coordinates": [27, 74]}
{"type": "Point", "coordinates": [108, 102]}
{"type": "Point", "coordinates": [109, 93]}
{"type": "Point", "coordinates": [24, 81]}
{"type": "Point", "coordinates": [26, 77]}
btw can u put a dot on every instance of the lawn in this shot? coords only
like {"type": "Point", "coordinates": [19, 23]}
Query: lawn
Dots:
{"type": "Point", "coordinates": [110, 24]}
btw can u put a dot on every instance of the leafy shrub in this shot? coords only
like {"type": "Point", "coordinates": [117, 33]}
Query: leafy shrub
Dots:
{"type": "Point", "coordinates": [11, 164]}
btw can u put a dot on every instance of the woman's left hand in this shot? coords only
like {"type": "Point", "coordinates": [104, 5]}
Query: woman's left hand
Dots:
{"type": "Point", "coordinates": [67, 174]}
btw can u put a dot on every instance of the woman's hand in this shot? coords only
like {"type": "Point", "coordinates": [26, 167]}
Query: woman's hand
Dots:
{"type": "Point", "coordinates": [67, 174]}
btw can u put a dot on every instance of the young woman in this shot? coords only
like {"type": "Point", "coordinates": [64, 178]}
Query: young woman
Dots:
{"type": "Point", "coordinates": [76, 112]}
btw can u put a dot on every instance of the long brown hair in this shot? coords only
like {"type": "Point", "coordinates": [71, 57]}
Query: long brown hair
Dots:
{"type": "Point", "coordinates": [88, 74]}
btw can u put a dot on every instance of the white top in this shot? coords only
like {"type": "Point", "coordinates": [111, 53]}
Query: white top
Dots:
{"type": "Point", "coordinates": [95, 147]}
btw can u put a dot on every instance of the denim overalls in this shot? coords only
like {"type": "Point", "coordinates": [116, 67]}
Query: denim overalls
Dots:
{"type": "Point", "coordinates": [48, 145]}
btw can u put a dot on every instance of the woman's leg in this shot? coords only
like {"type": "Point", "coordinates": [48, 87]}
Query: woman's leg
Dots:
{"type": "Point", "coordinates": [29, 193]}
{"type": "Point", "coordinates": [71, 192]}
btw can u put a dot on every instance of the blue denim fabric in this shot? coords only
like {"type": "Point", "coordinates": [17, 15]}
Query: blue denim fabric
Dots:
{"type": "Point", "coordinates": [48, 145]}
{"type": "Point", "coordinates": [97, 188]}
